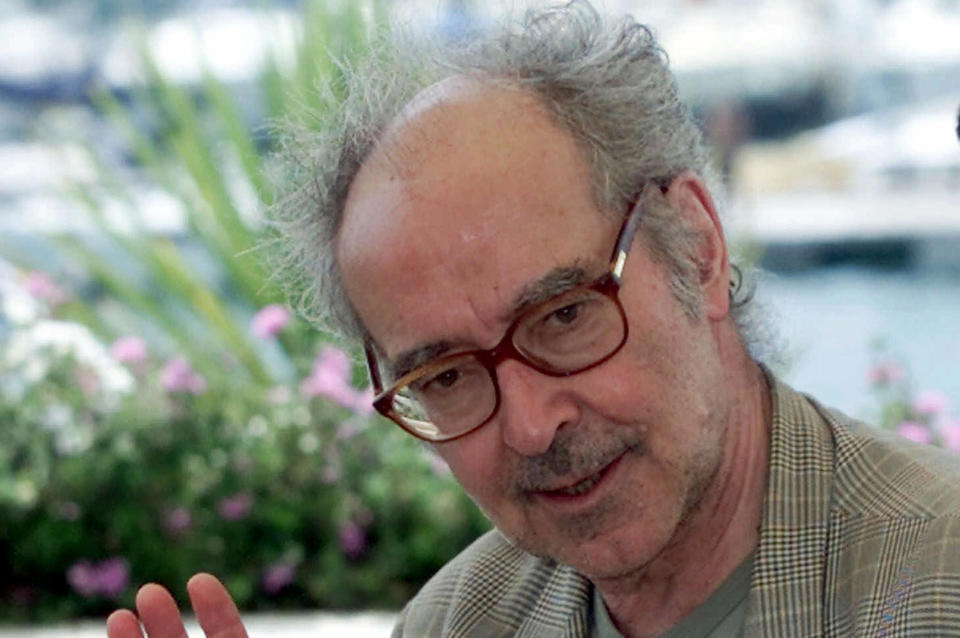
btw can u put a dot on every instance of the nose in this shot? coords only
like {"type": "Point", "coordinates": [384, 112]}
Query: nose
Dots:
{"type": "Point", "coordinates": [532, 408]}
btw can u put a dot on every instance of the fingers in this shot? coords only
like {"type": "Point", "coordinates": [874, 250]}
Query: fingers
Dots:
{"type": "Point", "coordinates": [158, 613]}
{"type": "Point", "coordinates": [123, 624]}
{"type": "Point", "coordinates": [215, 609]}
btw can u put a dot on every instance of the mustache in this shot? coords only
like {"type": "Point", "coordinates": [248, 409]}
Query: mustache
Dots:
{"type": "Point", "coordinates": [574, 454]}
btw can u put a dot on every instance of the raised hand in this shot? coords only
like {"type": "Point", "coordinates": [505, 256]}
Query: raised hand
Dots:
{"type": "Point", "coordinates": [215, 610]}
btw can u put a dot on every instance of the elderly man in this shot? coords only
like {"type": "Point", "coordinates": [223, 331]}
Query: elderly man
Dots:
{"type": "Point", "coordinates": [525, 241]}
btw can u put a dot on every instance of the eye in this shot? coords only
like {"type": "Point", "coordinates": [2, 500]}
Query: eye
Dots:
{"type": "Point", "coordinates": [446, 378]}
{"type": "Point", "coordinates": [567, 314]}
{"type": "Point", "coordinates": [442, 380]}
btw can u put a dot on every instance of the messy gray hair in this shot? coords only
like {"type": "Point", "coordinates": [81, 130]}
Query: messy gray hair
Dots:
{"type": "Point", "coordinates": [606, 83]}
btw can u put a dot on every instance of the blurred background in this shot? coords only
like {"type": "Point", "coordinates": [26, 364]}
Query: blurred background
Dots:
{"type": "Point", "coordinates": [162, 411]}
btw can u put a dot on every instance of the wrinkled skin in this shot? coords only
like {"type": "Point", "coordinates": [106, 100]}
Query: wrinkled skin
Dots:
{"type": "Point", "coordinates": [474, 198]}
{"type": "Point", "coordinates": [450, 224]}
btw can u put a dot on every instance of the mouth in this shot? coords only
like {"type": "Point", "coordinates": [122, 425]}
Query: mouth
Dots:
{"type": "Point", "coordinates": [583, 486]}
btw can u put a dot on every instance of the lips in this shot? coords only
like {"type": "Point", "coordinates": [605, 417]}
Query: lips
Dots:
{"type": "Point", "coordinates": [584, 485]}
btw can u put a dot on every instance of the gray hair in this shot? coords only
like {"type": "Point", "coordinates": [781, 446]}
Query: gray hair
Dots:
{"type": "Point", "coordinates": [607, 83]}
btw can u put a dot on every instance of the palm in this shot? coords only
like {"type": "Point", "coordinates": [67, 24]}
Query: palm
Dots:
{"type": "Point", "coordinates": [215, 610]}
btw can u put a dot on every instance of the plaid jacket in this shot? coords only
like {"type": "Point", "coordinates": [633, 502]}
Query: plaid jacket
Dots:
{"type": "Point", "coordinates": [860, 537]}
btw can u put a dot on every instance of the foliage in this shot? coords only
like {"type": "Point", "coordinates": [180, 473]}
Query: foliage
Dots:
{"type": "Point", "coordinates": [112, 475]}
{"type": "Point", "coordinates": [923, 416]}
{"type": "Point", "coordinates": [202, 151]}
{"type": "Point", "coordinates": [217, 432]}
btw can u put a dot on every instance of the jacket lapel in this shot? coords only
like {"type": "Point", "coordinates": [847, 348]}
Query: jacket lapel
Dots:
{"type": "Point", "coordinates": [788, 577]}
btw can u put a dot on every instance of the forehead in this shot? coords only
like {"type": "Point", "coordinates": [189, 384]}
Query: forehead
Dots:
{"type": "Point", "coordinates": [472, 196]}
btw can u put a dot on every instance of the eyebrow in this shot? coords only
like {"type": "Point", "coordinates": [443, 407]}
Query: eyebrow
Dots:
{"type": "Point", "coordinates": [555, 282]}
{"type": "Point", "coordinates": [416, 357]}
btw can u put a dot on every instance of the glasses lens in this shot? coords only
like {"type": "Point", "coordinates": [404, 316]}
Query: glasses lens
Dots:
{"type": "Point", "coordinates": [571, 331]}
{"type": "Point", "coordinates": [449, 397]}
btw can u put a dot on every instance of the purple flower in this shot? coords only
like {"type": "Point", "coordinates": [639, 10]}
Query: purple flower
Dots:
{"type": "Point", "coordinates": [348, 429]}
{"type": "Point", "coordinates": [69, 511]}
{"type": "Point", "coordinates": [236, 507]}
{"type": "Point", "coordinates": [885, 373]}
{"type": "Point", "coordinates": [41, 287]}
{"type": "Point", "coordinates": [179, 376]}
{"type": "Point", "coordinates": [87, 380]}
{"type": "Point", "coordinates": [269, 321]}
{"type": "Point", "coordinates": [914, 431]}
{"type": "Point", "coordinates": [331, 474]}
{"type": "Point", "coordinates": [330, 378]}
{"type": "Point", "coordinates": [353, 540]}
{"type": "Point", "coordinates": [177, 520]}
{"type": "Point", "coordinates": [950, 433]}
{"type": "Point", "coordinates": [930, 402]}
{"type": "Point", "coordinates": [129, 350]}
{"type": "Point", "coordinates": [108, 578]}
{"type": "Point", "coordinates": [83, 578]}
{"type": "Point", "coordinates": [363, 402]}
{"type": "Point", "coordinates": [113, 576]}
{"type": "Point", "coordinates": [277, 576]}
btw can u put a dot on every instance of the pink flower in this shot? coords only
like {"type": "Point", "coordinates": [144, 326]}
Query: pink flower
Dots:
{"type": "Point", "coordinates": [179, 376]}
{"type": "Point", "coordinates": [82, 577]}
{"type": "Point", "coordinates": [107, 578]}
{"type": "Point", "coordinates": [41, 286]}
{"type": "Point", "coordinates": [885, 373]}
{"type": "Point", "coordinates": [236, 507]}
{"type": "Point", "coordinates": [348, 429]}
{"type": "Point", "coordinates": [334, 362]}
{"type": "Point", "coordinates": [277, 576]}
{"type": "Point", "coordinates": [950, 433]}
{"type": "Point", "coordinates": [363, 402]}
{"type": "Point", "coordinates": [353, 540]}
{"type": "Point", "coordinates": [87, 380]}
{"type": "Point", "coordinates": [331, 474]}
{"type": "Point", "coordinates": [269, 321]}
{"type": "Point", "coordinates": [129, 350]}
{"type": "Point", "coordinates": [177, 520]}
{"type": "Point", "coordinates": [930, 402]}
{"type": "Point", "coordinates": [914, 431]}
{"type": "Point", "coordinates": [69, 511]}
{"type": "Point", "coordinates": [113, 576]}
{"type": "Point", "coordinates": [330, 378]}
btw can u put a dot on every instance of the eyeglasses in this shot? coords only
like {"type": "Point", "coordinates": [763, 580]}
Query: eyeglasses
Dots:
{"type": "Point", "coordinates": [571, 332]}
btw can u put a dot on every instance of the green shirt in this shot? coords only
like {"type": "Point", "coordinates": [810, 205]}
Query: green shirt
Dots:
{"type": "Point", "coordinates": [719, 616]}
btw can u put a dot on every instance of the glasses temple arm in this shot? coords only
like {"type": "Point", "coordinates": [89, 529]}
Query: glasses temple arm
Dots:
{"type": "Point", "coordinates": [627, 233]}
{"type": "Point", "coordinates": [372, 367]}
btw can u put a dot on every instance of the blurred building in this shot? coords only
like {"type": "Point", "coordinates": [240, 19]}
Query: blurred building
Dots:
{"type": "Point", "coordinates": [833, 120]}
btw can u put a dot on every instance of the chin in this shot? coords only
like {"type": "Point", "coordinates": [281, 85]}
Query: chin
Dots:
{"type": "Point", "coordinates": [603, 554]}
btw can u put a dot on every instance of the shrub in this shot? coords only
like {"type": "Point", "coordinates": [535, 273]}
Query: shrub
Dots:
{"type": "Point", "coordinates": [161, 412]}
{"type": "Point", "coordinates": [115, 474]}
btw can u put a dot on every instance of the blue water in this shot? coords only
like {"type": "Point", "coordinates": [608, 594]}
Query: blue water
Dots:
{"type": "Point", "coordinates": [830, 317]}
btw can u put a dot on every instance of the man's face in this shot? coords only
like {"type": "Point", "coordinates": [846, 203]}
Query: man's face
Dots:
{"type": "Point", "coordinates": [472, 205]}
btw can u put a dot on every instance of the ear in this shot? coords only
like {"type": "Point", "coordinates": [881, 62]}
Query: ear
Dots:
{"type": "Point", "coordinates": [688, 195]}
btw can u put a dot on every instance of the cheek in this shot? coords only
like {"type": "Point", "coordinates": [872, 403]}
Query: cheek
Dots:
{"type": "Point", "coordinates": [620, 391]}
{"type": "Point", "coordinates": [475, 461]}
